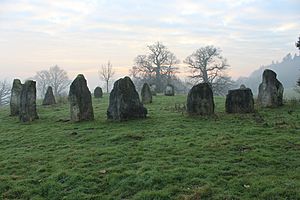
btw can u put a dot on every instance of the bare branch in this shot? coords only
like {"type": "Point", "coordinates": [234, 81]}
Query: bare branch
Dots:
{"type": "Point", "coordinates": [5, 89]}
{"type": "Point", "coordinates": [207, 65]}
{"type": "Point", "coordinates": [158, 66]}
{"type": "Point", "coordinates": [55, 77]}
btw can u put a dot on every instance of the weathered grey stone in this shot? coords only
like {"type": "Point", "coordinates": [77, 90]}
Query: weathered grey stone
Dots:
{"type": "Point", "coordinates": [98, 93]}
{"type": "Point", "coordinates": [28, 102]}
{"type": "Point", "coordinates": [243, 86]}
{"type": "Point", "coordinates": [49, 98]}
{"type": "Point", "coordinates": [124, 102]}
{"type": "Point", "coordinates": [239, 101]}
{"type": "Point", "coordinates": [200, 100]}
{"type": "Point", "coordinates": [153, 89]}
{"type": "Point", "coordinates": [146, 94]}
{"type": "Point", "coordinates": [270, 90]}
{"type": "Point", "coordinates": [80, 99]}
{"type": "Point", "coordinates": [169, 91]}
{"type": "Point", "coordinates": [15, 98]}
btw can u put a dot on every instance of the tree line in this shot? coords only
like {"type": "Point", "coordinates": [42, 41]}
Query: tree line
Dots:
{"type": "Point", "coordinates": [158, 66]}
{"type": "Point", "coordinates": [298, 46]}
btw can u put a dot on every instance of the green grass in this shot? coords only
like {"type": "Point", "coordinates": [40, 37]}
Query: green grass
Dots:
{"type": "Point", "coordinates": [166, 156]}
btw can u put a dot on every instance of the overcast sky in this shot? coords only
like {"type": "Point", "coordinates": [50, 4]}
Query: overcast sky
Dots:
{"type": "Point", "coordinates": [81, 35]}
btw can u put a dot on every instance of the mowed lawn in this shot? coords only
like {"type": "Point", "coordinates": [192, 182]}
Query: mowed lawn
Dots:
{"type": "Point", "coordinates": [169, 155]}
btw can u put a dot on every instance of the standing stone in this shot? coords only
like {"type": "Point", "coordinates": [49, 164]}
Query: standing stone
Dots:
{"type": "Point", "coordinates": [146, 94]}
{"type": "Point", "coordinates": [169, 91]}
{"type": "Point", "coordinates": [15, 98]}
{"type": "Point", "coordinates": [239, 101]}
{"type": "Point", "coordinates": [243, 86]}
{"type": "Point", "coordinates": [200, 100]}
{"type": "Point", "coordinates": [98, 92]}
{"type": "Point", "coordinates": [49, 98]}
{"type": "Point", "coordinates": [153, 89]}
{"type": "Point", "coordinates": [28, 102]}
{"type": "Point", "coordinates": [124, 102]}
{"type": "Point", "coordinates": [270, 90]}
{"type": "Point", "coordinates": [80, 98]}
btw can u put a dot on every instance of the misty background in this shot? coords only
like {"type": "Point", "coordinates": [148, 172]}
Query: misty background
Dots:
{"type": "Point", "coordinates": [81, 36]}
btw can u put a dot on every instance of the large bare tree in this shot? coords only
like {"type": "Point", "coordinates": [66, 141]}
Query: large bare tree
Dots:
{"type": "Point", "coordinates": [156, 66]}
{"type": "Point", "coordinates": [106, 73]}
{"type": "Point", "coordinates": [59, 80]}
{"type": "Point", "coordinates": [5, 89]}
{"type": "Point", "coordinates": [207, 65]}
{"type": "Point", "coordinates": [55, 77]}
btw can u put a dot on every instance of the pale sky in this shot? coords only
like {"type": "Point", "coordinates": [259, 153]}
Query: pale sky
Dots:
{"type": "Point", "coordinates": [80, 35]}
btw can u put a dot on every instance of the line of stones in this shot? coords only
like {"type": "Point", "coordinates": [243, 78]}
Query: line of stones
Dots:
{"type": "Point", "coordinates": [125, 104]}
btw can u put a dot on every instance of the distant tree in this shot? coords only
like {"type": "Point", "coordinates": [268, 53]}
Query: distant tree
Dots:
{"type": "Point", "coordinates": [59, 80]}
{"type": "Point", "coordinates": [222, 84]}
{"type": "Point", "coordinates": [55, 77]}
{"type": "Point", "coordinates": [43, 81]}
{"type": "Point", "coordinates": [171, 70]}
{"type": "Point", "coordinates": [298, 43]}
{"type": "Point", "coordinates": [106, 73]}
{"type": "Point", "coordinates": [158, 66]}
{"type": "Point", "coordinates": [5, 89]}
{"type": "Point", "coordinates": [298, 46]}
{"type": "Point", "coordinates": [287, 58]}
{"type": "Point", "coordinates": [207, 65]}
{"type": "Point", "coordinates": [297, 87]}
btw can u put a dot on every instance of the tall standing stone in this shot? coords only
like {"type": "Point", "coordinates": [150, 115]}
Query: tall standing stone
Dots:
{"type": "Point", "coordinates": [98, 93]}
{"type": "Point", "coordinates": [124, 102]}
{"type": "Point", "coordinates": [80, 98]}
{"type": "Point", "coordinates": [200, 100]}
{"type": "Point", "coordinates": [146, 94]}
{"type": "Point", "coordinates": [270, 92]}
{"type": "Point", "coordinates": [239, 101]}
{"type": "Point", "coordinates": [49, 98]}
{"type": "Point", "coordinates": [15, 98]}
{"type": "Point", "coordinates": [169, 91]}
{"type": "Point", "coordinates": [28, 102]}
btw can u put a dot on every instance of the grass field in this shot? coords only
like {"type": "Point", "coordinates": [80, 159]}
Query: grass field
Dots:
{"type": "Point", "coordinates": [166, 156]}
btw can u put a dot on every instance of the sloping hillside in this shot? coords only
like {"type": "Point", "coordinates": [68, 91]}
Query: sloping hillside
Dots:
{"type": "Point", "coordinates": [288, 72]}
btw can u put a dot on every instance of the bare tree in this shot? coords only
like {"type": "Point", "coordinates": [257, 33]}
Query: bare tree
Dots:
{"type": "Point", "coordinates": [171, 70]}
{"type": "Point", "coordinates": [222, 84]}
{"type": "Point", "coordinates": [298, 43]}
{"type": "Point", "coordinates": [106, 73]}
{"type": "Point", "coordinates": [5, 89]}
{"type": "Point", "coordinates": [59, 80]}
{"type": "Point", "coordinates": [208, 65]}
{"type": "Point", "coordinates": [55, 77]}
{"type": "Point", "coordinates": [156, 66]}
{"type": "Point", "coordinates": [143, 67]}
{"type": "Point", "coordinates": [43, 81]}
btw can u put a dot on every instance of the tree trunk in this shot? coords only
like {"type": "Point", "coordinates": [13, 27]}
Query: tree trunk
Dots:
{"type": "Point", "coordinates": [107, 86]}
{"type": "Point", "coordinates": [205, 76]}
{"type": "Point", "coordinates": [158, 80]}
